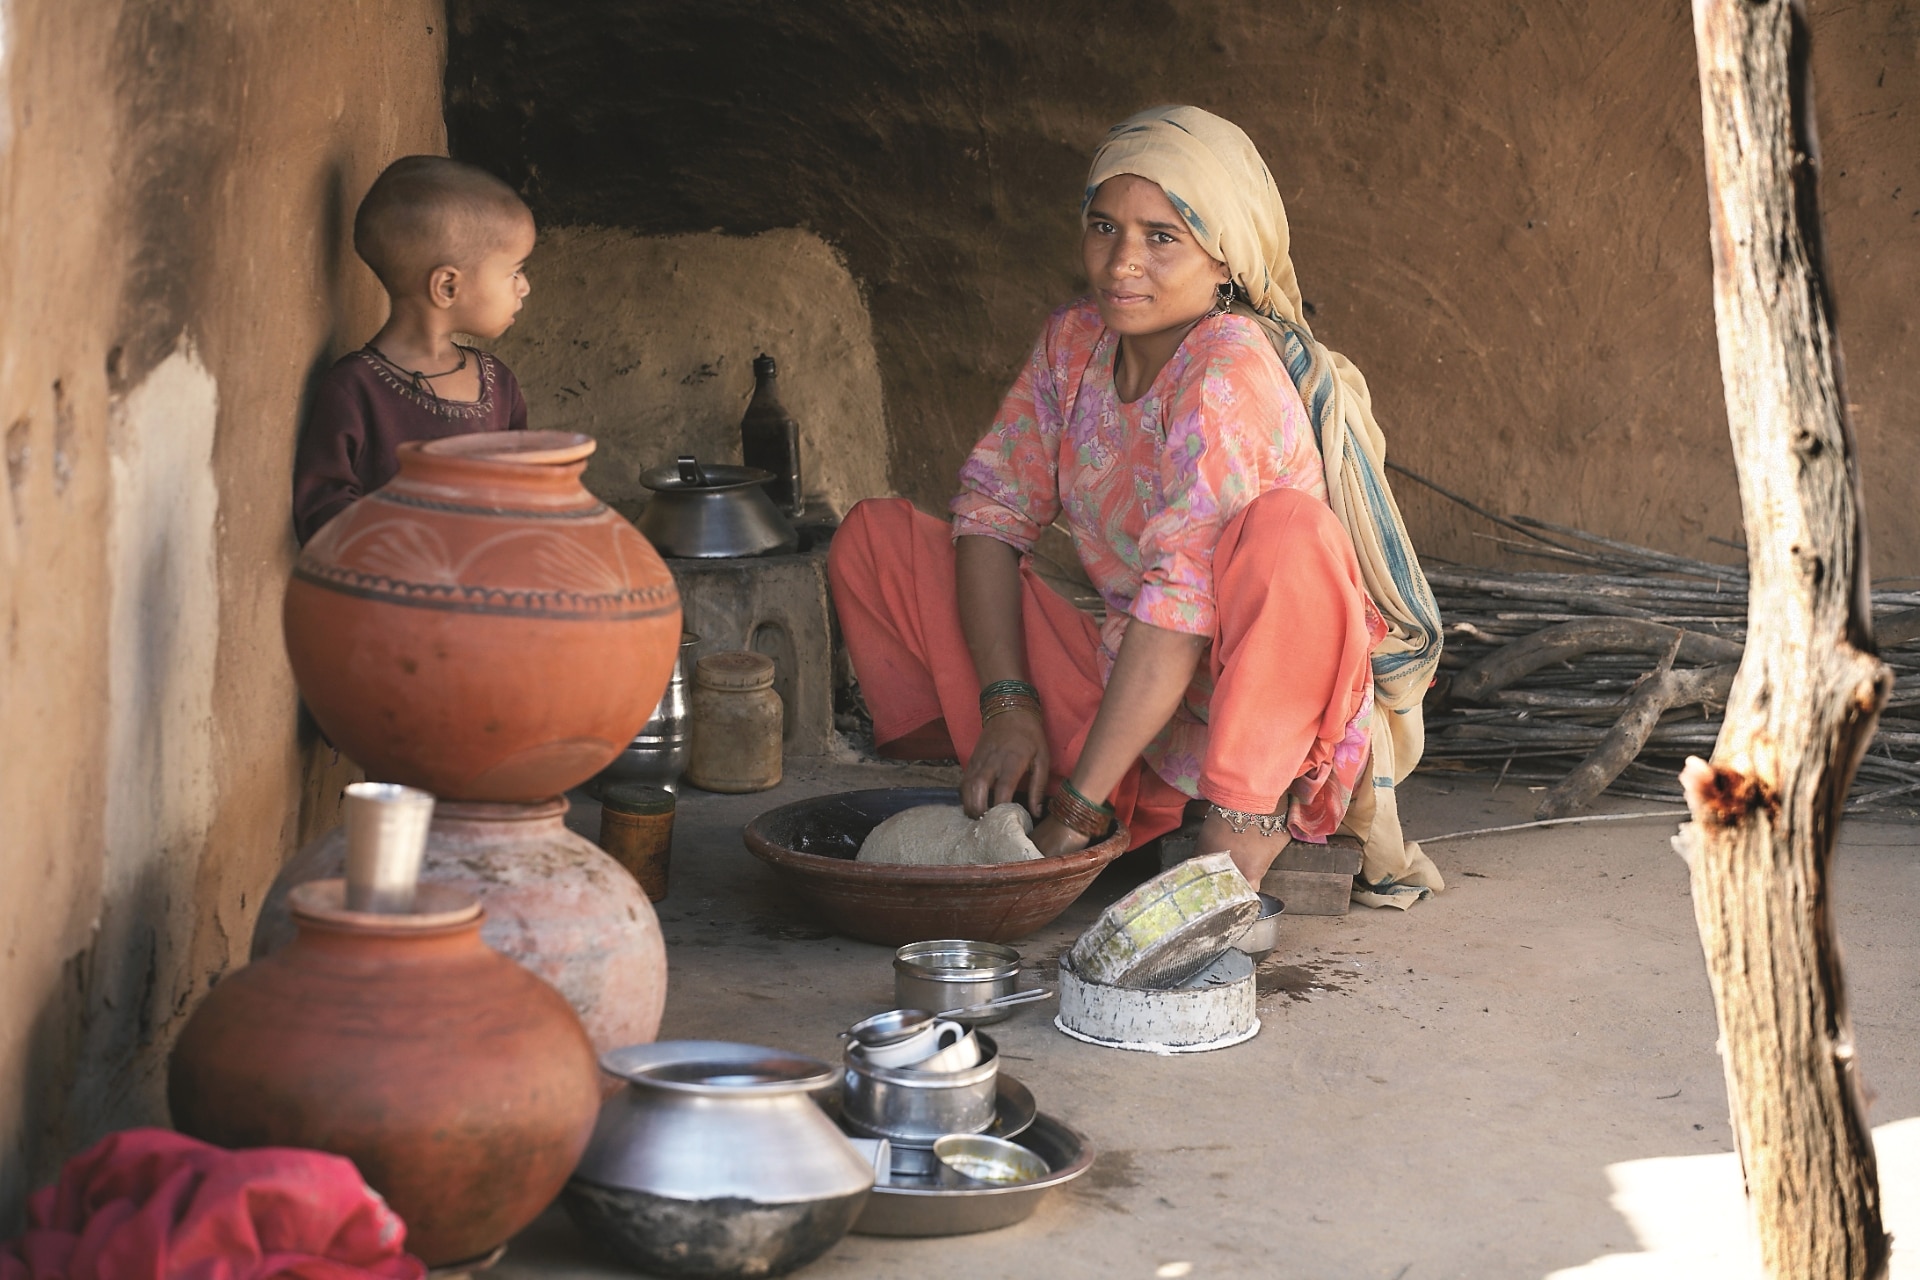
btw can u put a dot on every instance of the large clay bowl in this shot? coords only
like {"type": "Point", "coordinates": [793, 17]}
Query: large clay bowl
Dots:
{"type": "Point", "coordinates": [812, 844]}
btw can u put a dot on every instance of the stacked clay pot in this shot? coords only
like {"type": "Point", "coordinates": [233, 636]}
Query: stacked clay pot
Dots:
{"type": "Point", "coordinates": [486, 629]}
{"type": "Point", "coordinates": [462, 1087]}
{"type": "Point", "coordinates": [482, 627]}
{"type": "Point", "coordinates": [555, 902]}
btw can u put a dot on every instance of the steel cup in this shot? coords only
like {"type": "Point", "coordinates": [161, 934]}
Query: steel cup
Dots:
{"type": "Point", "coordinates": [386, 838]}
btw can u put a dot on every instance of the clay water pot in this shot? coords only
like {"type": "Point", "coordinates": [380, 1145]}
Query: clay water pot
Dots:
{"type": "Point", "coordinates": [483, 627]}
{"type": "Point", "coordinates": [556, 902]}
{"type": "Point", "coordinates": [461, 1086]}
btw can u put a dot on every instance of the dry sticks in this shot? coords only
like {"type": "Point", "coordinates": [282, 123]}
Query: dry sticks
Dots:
{"type": "Point", "coordinates": [1607, 678]}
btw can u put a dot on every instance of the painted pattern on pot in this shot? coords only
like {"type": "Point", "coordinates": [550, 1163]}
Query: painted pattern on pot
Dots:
{"type": "Point", "coordinates": [483, 627]}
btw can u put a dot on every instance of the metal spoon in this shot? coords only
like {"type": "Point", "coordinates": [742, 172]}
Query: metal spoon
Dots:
{"type": "Point", "coordinates": [998, 1002]}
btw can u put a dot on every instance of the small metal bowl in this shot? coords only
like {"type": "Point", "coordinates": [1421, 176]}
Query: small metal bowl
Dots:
{"type": "Point", "coordinates": [952, 973]}
{"type": "Point", "coordinates": [888, 1027]}
{"type": "Point", "coordinates": [974, 1159]}
{"type": "Point", "coordinates": [1263, 935]}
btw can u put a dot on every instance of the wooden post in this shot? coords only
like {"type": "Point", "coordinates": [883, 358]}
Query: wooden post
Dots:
{"type": "Point", "coordinates": [1810, 688]}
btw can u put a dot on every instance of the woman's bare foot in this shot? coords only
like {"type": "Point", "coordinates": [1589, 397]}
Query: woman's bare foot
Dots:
{"type": "Point", "coordinates": [1252, 852]}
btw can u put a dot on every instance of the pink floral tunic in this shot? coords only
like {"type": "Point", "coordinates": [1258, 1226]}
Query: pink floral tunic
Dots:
{"type": "Point", "coordinates": [1147, 488]}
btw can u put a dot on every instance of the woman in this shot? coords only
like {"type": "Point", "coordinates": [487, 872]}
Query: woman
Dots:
{"type": "Point", "coordinates": [1242, 649]}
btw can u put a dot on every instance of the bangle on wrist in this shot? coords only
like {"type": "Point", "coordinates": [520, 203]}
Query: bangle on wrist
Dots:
{"type": "Point", "coordinates": [1076, 812]}
{"type": "Point", "coordinates": [1000, 706]}
{"type": "Point", "coordinates": [1003, 696]}
{"type": "Point", "coordinates": [1008, 688]}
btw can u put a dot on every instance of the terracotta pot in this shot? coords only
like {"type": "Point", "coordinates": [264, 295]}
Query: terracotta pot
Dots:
{"type": "Point", "coordinates": [555, 901]}
{"type": "Point", "coordinates": [811, 844]}
{"type": "Point", "coordinates": [462, 1086]}
{"type": "Point", "coordinates": [482, 627]}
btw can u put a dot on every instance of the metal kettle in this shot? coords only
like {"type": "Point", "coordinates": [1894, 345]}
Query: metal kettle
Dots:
{"type": "Point", "coordinates": [711, 512]}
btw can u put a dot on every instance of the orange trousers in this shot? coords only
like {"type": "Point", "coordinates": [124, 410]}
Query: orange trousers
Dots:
{"type": "Point", "coordinates": [1289, 662]}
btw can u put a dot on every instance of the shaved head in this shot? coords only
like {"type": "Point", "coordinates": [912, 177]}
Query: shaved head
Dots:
{"type": "Point", "coordinates": [424, 212]}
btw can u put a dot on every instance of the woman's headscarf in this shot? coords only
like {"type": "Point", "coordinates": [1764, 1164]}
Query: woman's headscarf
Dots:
{"type": "Point", "coordinates": [1213, 174]}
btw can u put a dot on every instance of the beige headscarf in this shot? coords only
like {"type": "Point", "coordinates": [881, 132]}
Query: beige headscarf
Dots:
{"type": "Point", "coordinates": [1214, 176]}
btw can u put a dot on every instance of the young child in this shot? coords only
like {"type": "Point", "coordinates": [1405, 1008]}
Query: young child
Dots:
{"type": "Point", "coordinates": [450, 243]}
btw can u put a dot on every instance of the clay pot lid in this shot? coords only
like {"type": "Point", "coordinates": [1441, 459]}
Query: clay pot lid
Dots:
{"type": "Point", "coordinates": [543, 448]}
{"type": "Point", "coordinates": [437, 907]}
{"type": "Point", "coordinates": [734, 669]}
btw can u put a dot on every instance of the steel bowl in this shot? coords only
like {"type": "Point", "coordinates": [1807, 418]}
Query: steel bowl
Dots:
{"type": "Point", "coordinates": [914, 1108]}
{"type": "Point", "coordinates": [887, 1028]}
{"type": "Point", "coordinates": [1263, 935]}
{"type": "Point", "coordinates": [974, 1159]}
{"type": "Point", "coordinates": [811, 845]}
{"type": "Point", "coordinates": [917, 1205]}
{"type": "Point", "coordinates": [952, 973]}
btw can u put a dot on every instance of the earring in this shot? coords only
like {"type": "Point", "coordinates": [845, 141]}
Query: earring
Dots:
{"type": "Point", "coordinates": [1222, 299]}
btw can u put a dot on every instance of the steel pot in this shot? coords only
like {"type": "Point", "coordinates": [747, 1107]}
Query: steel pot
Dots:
{"type": "Point", "coordinates": [718, 1165]}
{"type": "Point", "coordinates": [658, 753]}
{"type": "Point", "coordinates": [706, 512]}
{"type": "Point", "coordinates": [913, 1108]}
{"type": "Point", "coordinates": [952, 973]}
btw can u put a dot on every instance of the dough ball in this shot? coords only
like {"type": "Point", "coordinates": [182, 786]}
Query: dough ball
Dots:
{"type": "Point", "coordinates": [942, 835]}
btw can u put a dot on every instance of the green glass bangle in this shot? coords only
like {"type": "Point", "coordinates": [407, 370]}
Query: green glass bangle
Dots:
{"type": "Point", "coordinates": [1014, 687]}
{"type": "Point", "coordinates": [1066, 785]}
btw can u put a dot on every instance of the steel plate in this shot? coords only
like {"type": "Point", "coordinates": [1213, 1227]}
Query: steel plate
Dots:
{"type": "Point", "coordinates": [903, 1209]}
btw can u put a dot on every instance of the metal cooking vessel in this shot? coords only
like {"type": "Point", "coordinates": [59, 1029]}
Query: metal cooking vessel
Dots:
{"type": "Point", "coordinates": [718, 1165]}
{"type": "Point", "coordinates": [704, 512]}
{"type": "Point", "coordinates": [658, 753]}
{"type": "Point", "coordinates": [952, 973]}
{"type": "Point", "coordinates": [913, 1108]}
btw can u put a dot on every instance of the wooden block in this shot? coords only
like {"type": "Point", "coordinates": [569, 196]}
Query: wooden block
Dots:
{"type": "Point", "coordinates": [1340, 854]}
{"type": "Point", "coordinates": [1310, 893]}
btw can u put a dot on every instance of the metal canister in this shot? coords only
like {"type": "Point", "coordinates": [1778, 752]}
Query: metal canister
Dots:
{"type": "Point", "coordinates": [736, 723]}
{"type": "Point", "coordinates": [658, 753]}
{"type": "Point", "coordinates": [636, 827]}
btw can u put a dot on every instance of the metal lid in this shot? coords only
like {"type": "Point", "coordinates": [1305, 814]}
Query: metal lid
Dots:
{"type": "Point", "coordinates": [734, 669]}
{"type": "Point", "coordinates": [636, 798]}
{"type": "Point", "coordinates": [776, 1074]}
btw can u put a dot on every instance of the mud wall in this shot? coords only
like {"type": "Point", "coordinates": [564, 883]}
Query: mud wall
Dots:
{"type": "Point", "coordinates": [176, 182]}
{"type": "Point", "coordinates": [647, 344]}
{"type": "Point", "coordinates": [1498, 210]}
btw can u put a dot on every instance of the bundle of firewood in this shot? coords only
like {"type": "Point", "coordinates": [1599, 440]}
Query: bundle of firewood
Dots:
{"type": "Point", "coordinates": [1605, 676]}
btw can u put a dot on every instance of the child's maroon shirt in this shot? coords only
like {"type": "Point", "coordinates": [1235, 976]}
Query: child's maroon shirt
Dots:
{"type": "Point", "coordinates": [363, 411]}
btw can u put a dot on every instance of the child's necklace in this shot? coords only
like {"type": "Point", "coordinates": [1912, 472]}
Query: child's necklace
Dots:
{"type": "Point", "coordinates": [422, 381]}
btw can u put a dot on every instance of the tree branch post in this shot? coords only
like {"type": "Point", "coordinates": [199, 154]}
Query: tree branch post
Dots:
{"type": "Point", "coordinates": [1810, 687]}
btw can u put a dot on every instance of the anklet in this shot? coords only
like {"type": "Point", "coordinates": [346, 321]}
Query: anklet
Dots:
{"type": "Point", "coordinates": [1268, 824]}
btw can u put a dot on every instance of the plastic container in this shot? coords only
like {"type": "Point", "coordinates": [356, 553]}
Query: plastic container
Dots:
{"type": "Point", "coordinates": [636, 827]}
{"type": "Point", "coordinates": [736, 724]}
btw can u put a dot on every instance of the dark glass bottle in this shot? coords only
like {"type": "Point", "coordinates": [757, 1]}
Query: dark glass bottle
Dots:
{"type": "Point", "coordinates": [770, 439]}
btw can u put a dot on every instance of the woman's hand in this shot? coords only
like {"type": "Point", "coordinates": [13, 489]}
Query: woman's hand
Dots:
{"type": "Point", "coordinates": [1054, 838]}
{"type": "Point", "coordinates": [1012, 747]}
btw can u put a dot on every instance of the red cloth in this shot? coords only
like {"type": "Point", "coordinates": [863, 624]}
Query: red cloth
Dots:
{"type": "Point", "coordinates": [1289, 663]}
{"type": "Point", "coordinates": [149, 1204]}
